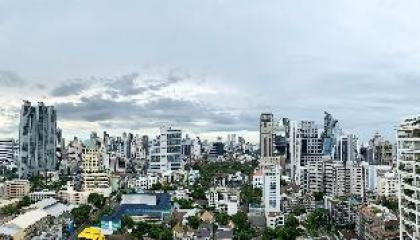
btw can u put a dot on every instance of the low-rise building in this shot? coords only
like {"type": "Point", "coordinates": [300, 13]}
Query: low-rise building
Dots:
{"type": "Point", "coordinates": [70, 195]}
{"type": "Point", "coordinates": [17, 188]}
{"type": "Point", "coordinates": [91, 233]}
{"type": "Point", "coordinates": [36, 220]}
{"type": "Point", "coordinates": [223, 199]}
{"type": "Point", "coordinates": [40, 195]}
{"type": "Point", "coordinates": [141, 207]}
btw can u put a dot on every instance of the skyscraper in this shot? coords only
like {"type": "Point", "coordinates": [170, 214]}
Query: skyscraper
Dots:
{"type": "Point", "coordinates": [266, 134]}
{"type": "Point", "coordinates": [37, 139]}
{"type": "Point", "coordinates": [165, 154]}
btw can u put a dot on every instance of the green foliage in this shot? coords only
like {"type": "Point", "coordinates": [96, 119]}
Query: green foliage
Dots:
{"type": "Point", "coordinates": [289, 231]}
{"type": "Point", "coordinates": [319, 196]}
{"type": "Point", "coordinates": [26, 201]}
{"type": "Point", "coordinates": [222, 218]}
{"type": "Point", "coordinates": [81, 214]}
{"type": "Point", "coordinates": [118, 198]}
{"type": "Point", "coordinates": [194, 222]}
{"type": "Point", "coordinates": [39, 183]}
{"type": "Point", "coordinates": [209, 170]}
{"type": "Point", "coordinates": [243, 228]}
{"type": "Point", "coordinates": [198, 192]}
{"type": "Point", "coordinates": [317, 222]}
{"type": "Point", "coordinates": [163, 187]}
{"type": "Point", "coordinates": [97, 200]}
{"type": "Point", "coordinates": [391, 204]}
{"type": "Point", "coordinates": [10, 210]}
{"type": "Point", "coordinates": [298, 210]}
{"type": "Point", "coordinates": [158, 232]}
{"type": "Point", "coordinates": [250, 195]}
{"type": "Point", "coordinates": [184, 203]}
{"type": "Point", "coordinates": [127, 222]}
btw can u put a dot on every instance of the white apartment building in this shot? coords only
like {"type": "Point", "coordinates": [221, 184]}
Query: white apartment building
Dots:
{"type": "Point", "coordinates": [335, 178]}
{"type": "Point", "coordinates": [99, 182]}
{"type": "Point", "coordinates": [94, 176]}
{"type": "Point", "coordinates": [271, 171]}
{"type": "Point", "coordinates": [143, 182]}
{"type": "Point", "coordinates": [165, 153]}
{"type": "Point", "coordinates": [71, 196]}
{"type": "Point", "coordinates": [7, 153]}
{"type": "Point", "coordinates": [223, 199]}
{"type": "Point", "coordinates": [343, 178]}
{"type": "Point", "coordinates": [314, 177]}
{"type": "Point", "coordinates": [373, 173]}
{"type": "Point", "coordinates": [408, 161]}
{"type": "Point", "coordinates": [388, 185]}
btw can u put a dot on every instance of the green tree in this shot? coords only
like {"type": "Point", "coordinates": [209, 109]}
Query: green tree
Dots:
{"type": "Point", "coordinates": [81, 214]}
{"type": "Point", "coordinates": [222, 218]}
{"type": "Point", "coordinates": [26, 201]}
{"type": "Point", "coordinates": [240, 220]}
{"type": "Point", "coordinates": [391, 204]}
{"type": "Point", "coordinates": [193, 222]}
{"type": "Point", "coordinates": [198, 193]}
{"type": "Point", "coordinates": [10, 210]}
{"type": "Point", "coordinates": [127, 222]}
{"type": "Point", "coordinates": [243, 228]}
{"type": "Point", "coordinates": [250, 195]}
{"type": "Point", "coordinates": [317, 222]}
{"type": "Point", "coordinates": [97, 200]}
{"type": "Point", "coordinates": [184, 203]}
{"type": "Point", "coordinates": [157, 186]}
{"type": "Point", "coordinates": [289, 231]}
{"type": "Point", "coordinates": [319, 196]}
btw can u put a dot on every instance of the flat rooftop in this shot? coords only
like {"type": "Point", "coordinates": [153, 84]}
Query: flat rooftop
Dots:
{"type": "Point", "coordinates": [147, 199]}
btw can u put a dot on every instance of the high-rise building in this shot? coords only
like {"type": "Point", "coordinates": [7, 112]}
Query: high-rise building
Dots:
{"type": "Point", "coordinates": [165, 151]}
{"type": "Point", "coordinates": [346, 149]}
{"type": "Point", "coordinates": [7, 155]}
{"type": "Point", "coordinates": [408, 156]}
{"type": "Point", "coordinates": [331, 130]}
{"type": "Point", "coordinates": [380, 151]}
{"type": "Point", "coordinates": [311, 143]}
{"type": "Point", "coordinates": [294, 143]}
{"type": "Point", "coordinates": [37, 139]}
{"type": "Point", "coordinates": [266, 134]}
{"type": "Point", "coordinates": [271, 178]}
{"type": "Point", "coordinates": [270, 182]}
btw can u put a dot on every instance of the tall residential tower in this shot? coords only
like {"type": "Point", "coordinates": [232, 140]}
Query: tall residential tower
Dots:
{"type": "Point", "coordinates": [408, 158]}
{"type": "Point", "coordinates": [266, 134]}
{"type": "Point", "coordinates": [37, 139]}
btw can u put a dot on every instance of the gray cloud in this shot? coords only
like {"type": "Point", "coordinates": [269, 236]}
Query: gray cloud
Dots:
{"type": "Point", "coordinates": [70, 88]}
{"type": "Point", "coordinates": [11, 79]}
{"type": "Point", "coordinates": [178, 112]}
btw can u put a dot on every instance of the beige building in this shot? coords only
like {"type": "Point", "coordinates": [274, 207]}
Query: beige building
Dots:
{"type": "Point", "coordinates": [17, 188]}
{"type": "Point", "coordinates": [388, 185]}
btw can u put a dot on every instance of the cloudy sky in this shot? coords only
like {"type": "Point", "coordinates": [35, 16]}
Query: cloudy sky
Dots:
{"type": "Point", "coordinates": [210, 66]}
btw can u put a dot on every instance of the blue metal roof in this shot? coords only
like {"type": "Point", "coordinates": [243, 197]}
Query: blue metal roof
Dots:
{"type": "Point", "coordinates": [162, 207]}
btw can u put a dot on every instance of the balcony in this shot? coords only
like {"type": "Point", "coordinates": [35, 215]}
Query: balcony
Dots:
{"type": "Point", "coordinates": [408, 181]}
{"type": "Point", "coordinates": [409, 192]}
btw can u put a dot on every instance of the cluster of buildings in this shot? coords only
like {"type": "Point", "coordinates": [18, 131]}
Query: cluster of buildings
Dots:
{"type": "Point", "coordinates": [320, 166]}
{"type": "Point", "coordinates": [301, 165]}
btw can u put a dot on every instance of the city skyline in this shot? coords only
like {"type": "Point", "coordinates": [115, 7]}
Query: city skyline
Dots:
{"type": "Point", "coordinates": [210, 67]}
